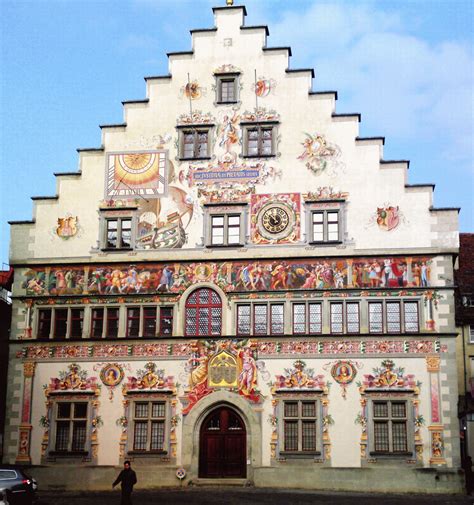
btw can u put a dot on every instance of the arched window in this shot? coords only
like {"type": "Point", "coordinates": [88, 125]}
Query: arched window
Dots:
{"type": "Point", "coordinates": [203, 313]}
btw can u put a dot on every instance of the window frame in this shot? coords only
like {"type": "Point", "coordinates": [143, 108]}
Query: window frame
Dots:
{"type": "Point", "coordinates": [150, 419]}
{"type": "Point", "coordinates": [226, 211]}
{"type": "Point", "coordinates": [195, 130]}
{"type": "Point", "coordinates": [71, 419]}
{"type": "Point", "coordinates": [198, 305]}
{"type": "Point", "coordinates": [402, 316]}
{"type": "Point", "coordinates": [54, 319]}
{"type": "Point", "coordinates": [269, 325]}
{"type": "Point", "coordinates": [325, 226]}
{"type": "Point", "coordinates": [260, 126]}
{"type": "Point", "coordinates": [119, 246]}
{"type": "Point", "coordinates": [410, 435]}
{"type": "Point", "coordinates": [227, 77]}
{"type": "Point", "coordinates": [307, 319]}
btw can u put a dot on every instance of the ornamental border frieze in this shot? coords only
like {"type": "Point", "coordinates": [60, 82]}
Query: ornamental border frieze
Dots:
{"type": "Point", "coordinates": [372, 273]}
{"type": "Point", "coordinates": [182, 350]}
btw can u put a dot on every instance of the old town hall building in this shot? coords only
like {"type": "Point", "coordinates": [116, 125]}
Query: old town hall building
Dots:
{"type": "Point", "coordinates": [235, 285]}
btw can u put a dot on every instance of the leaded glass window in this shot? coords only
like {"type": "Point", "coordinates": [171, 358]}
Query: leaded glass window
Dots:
{"type": "Point", "coordinates": [71, 426]}
{"type": "Point", "coordinates": [243, 319]}
{"type": "Point", "coordinates": [393, 317]}
{"type": "Point", "coordinates": [410, 313]}
{"type": "Point", "coordinates": [203, 313]}
{"type": "Point", "coordinates": [149, 426]}
{"type": "Point", "coordinates": [337, 317]}
{"type": "Point", "coordinates": [352, 317]}
{"type": "Point", "coordinates": [375, 317]}
{"type": "Point", "coordinates": [390, 422]}
{"type": "Point", "coordinates": [300, 425]}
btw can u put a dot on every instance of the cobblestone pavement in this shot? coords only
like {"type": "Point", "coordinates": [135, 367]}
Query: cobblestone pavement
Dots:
{"type": "Point", "coordinates": [247, 496]}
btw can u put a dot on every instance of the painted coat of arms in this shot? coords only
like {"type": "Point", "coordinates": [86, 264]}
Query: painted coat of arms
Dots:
{"type": "Point", "coordinates": [67, 227]}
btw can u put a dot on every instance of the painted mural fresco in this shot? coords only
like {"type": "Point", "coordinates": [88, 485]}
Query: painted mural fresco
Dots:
{"type": "Point", "coordinates": [387, 218]}
{"type": "Point", "coordinates": [141, 173]}
{"type": "Point", "coordinates": [343, 372]}
{"type": "Point", "coordinates": [275, 219]}
{"type": "Point", "coordinates": [229, 364]}
{"type": "Point", "coordinates": [111, 375]}
{"type": "Point", "coordinates": [72, 379]}
{"type": "Point", "coordinates": [231, 276]}
{"type": "Point", "coordinates": [264, 86]}
{"type": "Point", "coordinates": [230, 194]}
{"type": "Point", "coordinates": [164, 208]}
{"type": "Point", "coordinates": [195, 117]}
{"type": "Point", "coordinates": [192, 90]}
{"type": "Point", "coordinates": [320, 155]}
{"type": "Point", "coordinates": [227, 68]}
{"type": "Point", "coordinates": [389, 377]}
{"type": "Point", "coordinates": [325, 193]}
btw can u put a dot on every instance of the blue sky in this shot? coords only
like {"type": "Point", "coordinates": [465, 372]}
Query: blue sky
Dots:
{"type": "Point", "coordinates": [66, 65]}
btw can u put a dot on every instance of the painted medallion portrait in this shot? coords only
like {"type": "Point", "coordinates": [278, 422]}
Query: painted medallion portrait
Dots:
{"type": "Point", "coordinates": [343, 372]}
{"type": "Point", "coordinates": [112, 375]}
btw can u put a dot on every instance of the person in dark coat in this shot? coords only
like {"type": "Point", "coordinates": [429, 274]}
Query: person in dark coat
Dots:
{"type": "Point", "coordinates": [128, 478]}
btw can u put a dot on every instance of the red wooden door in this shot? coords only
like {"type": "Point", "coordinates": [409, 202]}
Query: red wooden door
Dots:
{"type": "Point", "coordinates": [223, 445]}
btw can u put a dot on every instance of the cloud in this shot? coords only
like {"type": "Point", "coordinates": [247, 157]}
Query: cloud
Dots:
{"type": "Point", "coordinates": [404, 86]}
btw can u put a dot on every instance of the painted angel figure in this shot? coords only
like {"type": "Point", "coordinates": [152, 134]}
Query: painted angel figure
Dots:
{"type": "Point", "coordinates": [227, 132]}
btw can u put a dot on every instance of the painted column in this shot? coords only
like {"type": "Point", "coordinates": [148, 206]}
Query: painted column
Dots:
{"type": "Point", "coordinates": [27, 332]}
{"type": "Point", "coordinates": [436, 428]}
{"type": "Point", "coordinates": [409, 272]}
{"type": "Point", "coordinates": [25, 427]}
{"type": "Point", "coordinates": [349, 273]}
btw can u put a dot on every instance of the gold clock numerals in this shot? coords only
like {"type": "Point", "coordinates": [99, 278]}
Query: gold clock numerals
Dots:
{"type": "Point", "coordinates": [275, 220]}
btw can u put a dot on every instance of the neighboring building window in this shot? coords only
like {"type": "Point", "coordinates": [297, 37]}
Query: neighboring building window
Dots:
{"type": "Point", "coordinates": [261, 319]}
{"type": "Point", "coordinates": [390, 427]}
{"type": "Point", "coordinates": [325, 226]}
{"type": "Point", "coordinates": [44, 323]}
{"type": "Point", "coordinates": [258, 140]}
{"type": "Point", "coordinates": [194, 143]}
{"type": "Point", "coordinates": [307, 318]}
{"type": "Point", "coordinates": [149, 421]}
{"type": "Point", "coordinates": [118, 233]}
{"type": "Point", "coordinates": [203, 313]}
{"type": "Point", "coordinates": [471, 334]}
{"type": "Point", "coordinates": [300, 426]}
{"type": "Point", "coordinates": [227, 88]}
{"type": "Point", "coordinates": [225, 229]}
{"type": "Point", "coordinates": [71, 426]}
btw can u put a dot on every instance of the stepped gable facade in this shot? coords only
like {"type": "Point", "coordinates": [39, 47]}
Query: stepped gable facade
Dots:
{"type": "Point", "coordinates": [235, 283]}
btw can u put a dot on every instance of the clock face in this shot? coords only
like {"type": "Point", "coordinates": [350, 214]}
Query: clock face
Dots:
{"type": "Point", "coordinates": [275, 219]}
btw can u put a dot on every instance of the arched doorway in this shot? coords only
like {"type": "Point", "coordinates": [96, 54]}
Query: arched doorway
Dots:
{"type": "Point", "coordinates": [223, 445]}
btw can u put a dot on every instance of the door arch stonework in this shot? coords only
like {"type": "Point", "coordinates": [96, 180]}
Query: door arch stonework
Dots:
{"type": "Point", "coordinates": [192, 424]}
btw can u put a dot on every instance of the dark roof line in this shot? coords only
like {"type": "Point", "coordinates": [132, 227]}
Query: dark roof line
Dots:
{"type": "Point", "coordinates": [198, 30]}
{"type": "Point", "coordinates": [145, 100]}
{"type": "Point", "coordinates": [392, 162]}
{"type": "Point", "coordinates": [55, 197]}
{"type": "Point", "coordinates": [22, 222]}
{"type": "Point", "coordinates": [297, 70]}
{"type": "Point", "coordinates": [229, 7]}
{"type": "Point", "coordinates": [119, 125]}
{"type": "Point", "coordinates": [427, 185]}
{"type": "Point", "coordinates": [371, 138]}
{"type": "Point", "coordinates": [61, 174]}
{"type": "Point", "coordinates": [256, 27]}
{"type": "Point", "coordinates": [348, 114]}
{"type": "Point", "coordinates": [93, 149]}
{"type": "Point", "coordinates": [278, 48]}
{"type": "Point", "coordinates": [180, 53]}
{"type": "Point", "coordinates": [324, 93]}
{"type": "Point", "coordinates": [167, 76]}
{"type": "Point", "coordinates": [443, 209]}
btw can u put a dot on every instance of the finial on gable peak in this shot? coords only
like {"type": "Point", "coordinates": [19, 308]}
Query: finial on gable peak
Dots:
{"type": "Point", "coordinates": [229, 3]}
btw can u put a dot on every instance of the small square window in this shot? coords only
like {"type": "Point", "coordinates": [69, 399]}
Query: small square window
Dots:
{"type": "Point", "coordinates": [194, 143]}
{"type": "Point", "coordinates": [325, 226]}
{"type": "Point", "coordinates": [224, 229]}
{"type": "Point", "coordinates": [118, 233]}
{"type": "Point", "coordinates": [227, 88]}
{"type": "Point", "coordinates": [258, 140]}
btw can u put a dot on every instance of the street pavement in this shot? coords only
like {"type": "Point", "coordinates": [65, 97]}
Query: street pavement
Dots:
{"type": "Point", "coordinates": [247, 496]}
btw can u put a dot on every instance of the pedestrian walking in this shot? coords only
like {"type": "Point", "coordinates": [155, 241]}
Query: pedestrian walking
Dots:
{"type": "Point", "coordinates": [128, 479]}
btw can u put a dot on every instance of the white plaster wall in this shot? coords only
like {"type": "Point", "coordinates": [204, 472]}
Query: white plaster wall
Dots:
{"type": "Point", "coordinates": [368, 184]}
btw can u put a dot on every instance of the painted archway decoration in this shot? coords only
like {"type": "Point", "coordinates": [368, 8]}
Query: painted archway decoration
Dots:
{"type": "Point", "coordinates": [389, 379]}
{"type": "Point", "coordinates": [228, 364]}
{"type": "Point", "coordinates": [302, 381]}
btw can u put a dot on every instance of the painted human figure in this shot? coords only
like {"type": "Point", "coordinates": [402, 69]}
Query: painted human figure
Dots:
{"type": "Point", "coordinates": [247, 374]}
{"type": "Point", "coordinates": [424, 274]}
